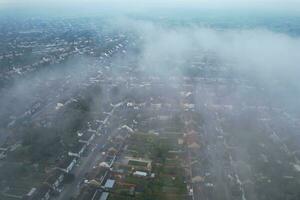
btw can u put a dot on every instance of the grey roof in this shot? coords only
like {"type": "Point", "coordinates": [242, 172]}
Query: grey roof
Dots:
{"type": "Point", "coordinates": [109, 183]}
{"type": "Point", "coordinates": [104, 196]}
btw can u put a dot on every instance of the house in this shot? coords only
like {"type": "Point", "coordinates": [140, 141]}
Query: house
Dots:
{"type": "Point", "coordinates": [2, 155]}
{"type": "Point", "coordinates": [140, 174]}
{"type": "Point", "coordinates": [98, 174]}
{"type": "Point", "coordinates": [194, 145]}
{"type": "Point", "coordinates": [30, 194]}
{"type": "Point", "coordinates": [110, 160]}
{"type": "Point", "coordinates": [141, 164]}
{"type": "Point", "coordinates": [104, 164]}
{"type": "Point", "coordinates": [189, 107]}
{"type": "Point", "coordinates": [67, 164]}
{"type": "Point", "coordinates": [112, 151]}
{"type": "Point", "coordinates": [191, 137]}
{"type": "Point", "coordinates": [55, 179]}
{"type": "Point", "coordinates": [180, 141]}
{"type": "Point", "coordinates": [109, 184]}
{"type": "Point", "coordinates": [104, 196]}
{"type": "Point", "coordinates": [163, 117]}
{"type": "Point", "coordinates": [78, 150]}
{"type": "Point", "coordinates": [156, 106]}
{"type": "Point", "coordinates": [127, 128]}
{"type": "Point", "coordinates": [120, 138]}
{"type": "Point", "coordinates": [96, 195]}
{"type": "Point", "coordinates": [42, 193]}
{"type": "Point", "coordinates": [87, 193]}
{"type": "Point", "coordinates": [3, 149]}
{"type": "Point", "coordinates": [87, 137]}
{"type": "Point", "coordinates": [197, 179]}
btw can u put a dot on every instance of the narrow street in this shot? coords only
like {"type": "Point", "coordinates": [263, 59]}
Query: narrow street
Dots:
{"type": "Point", "coordinates": [86, 163]}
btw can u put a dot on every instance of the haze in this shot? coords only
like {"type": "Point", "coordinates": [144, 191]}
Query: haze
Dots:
{"type": "Point", "coordinates": [130, 5]}
{"type": "Point", "coordinates": [144, 100]}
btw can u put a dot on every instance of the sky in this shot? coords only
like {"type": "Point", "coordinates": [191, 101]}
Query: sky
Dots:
{"type": "Point", "coordinates": [287, 5]}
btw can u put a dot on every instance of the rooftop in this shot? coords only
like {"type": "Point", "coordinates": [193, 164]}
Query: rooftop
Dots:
{"type": "Point", "coordinates": [109, 183]}
{"type": "Point", "coordinates": [104, 196]}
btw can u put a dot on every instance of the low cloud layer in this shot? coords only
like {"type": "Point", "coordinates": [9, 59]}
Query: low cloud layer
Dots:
{"type": "Point", "coordinates": [261, 51]}
{"type": "Point", "coordinates": [267, 58]}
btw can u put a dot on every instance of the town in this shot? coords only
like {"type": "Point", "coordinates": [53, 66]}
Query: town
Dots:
{"type": "Point", "coordinates": [83, 124]}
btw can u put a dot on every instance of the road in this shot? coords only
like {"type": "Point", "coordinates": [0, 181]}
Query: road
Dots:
{"type": "Point", "coordinates": [87, 163]}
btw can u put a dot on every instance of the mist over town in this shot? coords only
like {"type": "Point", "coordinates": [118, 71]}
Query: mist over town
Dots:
{"type": "Point", "coordinates": [149, 100]}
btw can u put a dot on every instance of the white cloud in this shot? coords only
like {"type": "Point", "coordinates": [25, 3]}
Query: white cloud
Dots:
{"type": "Point", "coordinates": [268, 54]}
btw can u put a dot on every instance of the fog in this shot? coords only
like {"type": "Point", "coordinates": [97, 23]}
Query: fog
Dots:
{"type": "Point", "coordinates": [267, 55]}
{"type": "Point", "coordinates": [267, 58]}
{"type": "Point", "coordinates": [231, 78]}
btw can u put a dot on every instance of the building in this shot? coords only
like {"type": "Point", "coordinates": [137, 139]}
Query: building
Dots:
{"type": "Point", "coordinates": [67, 164]}
{"type": "Point", "coordinates": [104, 196]}
{"type": "Point", "coordinates": [112, 151]}
{"type": "Point", "coordinates": [42, 193]}
{"type": "Point", "coordinates": [110, 160]}
{"type": "Point", "coordinates": [140, 174]}
{"type": "Point", "coordinates": [55, 179]}
{"type": "Point", "coordinates": [140, 164]}
{"type": "Point", "coordinates": [109, 184]}
{"type": "Point", "coordinates": [78, 150]}
{"type": "Point", "coordinates": [87, 138]}
{"type": "Point", "coordinates": [194, 145]}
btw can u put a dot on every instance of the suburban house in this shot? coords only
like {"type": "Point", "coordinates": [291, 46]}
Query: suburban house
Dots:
{"type": "Point", "coordinates": [67, 164]}
{"type": "Point", "coordinates": [77, 150]}
{"type": "Point", "coordinates": [55, 179]}
{"type": "Point", "coordinates": [42, 193]}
